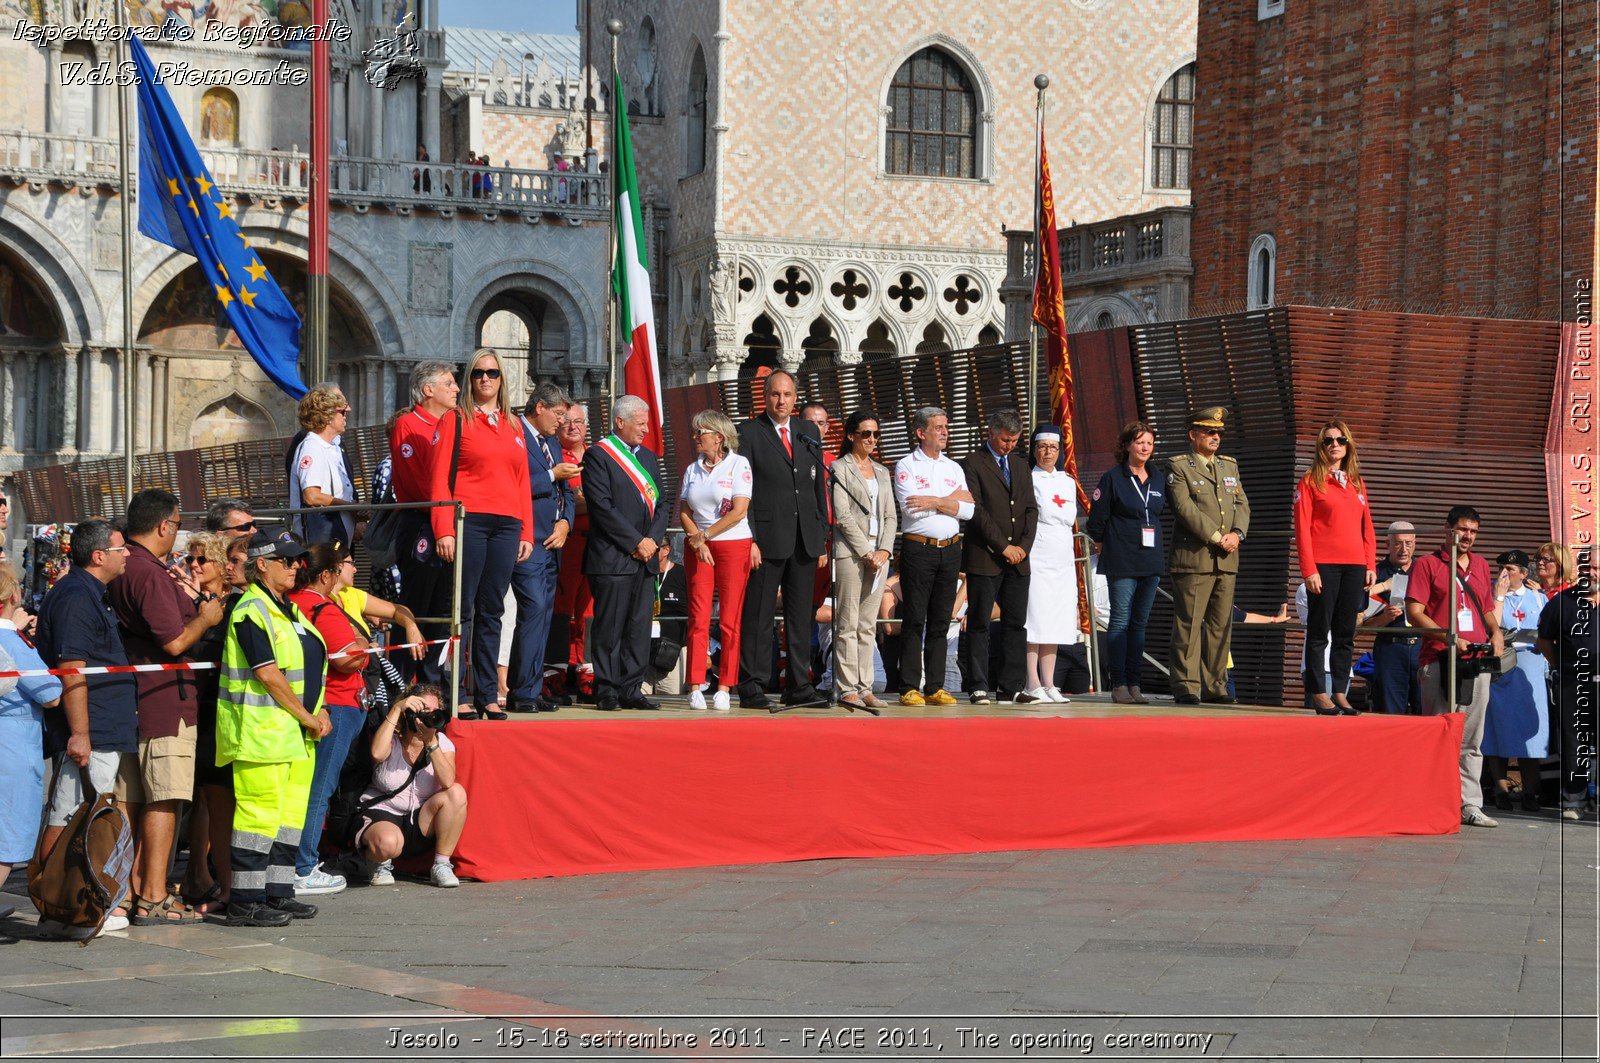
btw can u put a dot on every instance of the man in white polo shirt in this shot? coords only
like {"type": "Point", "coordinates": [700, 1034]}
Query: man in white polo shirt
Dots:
{"type": "Point", "coordinates": [933, 497]}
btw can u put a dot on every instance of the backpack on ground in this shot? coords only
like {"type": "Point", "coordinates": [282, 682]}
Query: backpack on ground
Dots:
{"type": "Point", "coordinates": [88, 871]}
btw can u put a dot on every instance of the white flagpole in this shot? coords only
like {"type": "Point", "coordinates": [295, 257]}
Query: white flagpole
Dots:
{"type": "Point", "coordinates": [1040, 82]}
{"type": "Point", "coordinates": [125, 203]}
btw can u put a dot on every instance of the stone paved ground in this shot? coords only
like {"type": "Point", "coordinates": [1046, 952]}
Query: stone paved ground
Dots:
{"type": "Point", "coordinates": [1462, 947]}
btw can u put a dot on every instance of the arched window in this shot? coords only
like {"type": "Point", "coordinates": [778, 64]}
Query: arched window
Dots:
{"type": "Point", "coordinates": [1105, 321]}
{"type": "Point", "coordinates": [644, 63]}
{"type": "Point", "coordinates": [1172, 131]}
{"type": "Point", "coordinates": [933, 118]}
{"type": "Point", "coordinates": [1261, 277]}
{"type": "Point", "coordinates": [219, 117]}
{"type": "Point", "coordinates": [694, 115]}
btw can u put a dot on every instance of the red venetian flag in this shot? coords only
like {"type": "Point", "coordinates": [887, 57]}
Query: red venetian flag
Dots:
{"type": "Point", "coordinates": [1050, 314]}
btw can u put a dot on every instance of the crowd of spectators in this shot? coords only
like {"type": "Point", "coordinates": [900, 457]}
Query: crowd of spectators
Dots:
{"type": "Point", "coordinates": [302, 721]}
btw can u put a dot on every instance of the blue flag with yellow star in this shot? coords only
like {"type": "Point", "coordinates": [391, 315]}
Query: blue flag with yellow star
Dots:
{"type": "Point", "coordinates": [181, 207]}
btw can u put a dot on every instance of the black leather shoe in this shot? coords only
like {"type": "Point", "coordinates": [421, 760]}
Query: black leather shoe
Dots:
{"type": "Point", "coordinates": [754, 700]}
{"type": "Point", "coordinates": [296, 909]}
{"type": "Point", "coordinates": [544, 704]}
{"type": "Point", "coordinates": [640, 703]}
{"type": "Point", "coordinates": [1185, 699]}
{"type": "Point", "coordinates": [251, 914]}
{"type": "Point", "coordinates": [809, 698]}
{"type": "Point", "coordinates": [1222, 700]}
{"type": "Point", "coordinates": [607, 705]}
{"type": "Point", "coordinates": [520, 705]}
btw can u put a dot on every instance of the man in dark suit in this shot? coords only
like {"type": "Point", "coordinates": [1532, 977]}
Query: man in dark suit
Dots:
{"type": "Point", "coordinates": [533, 581]}
{"type": "Point", "coordinates": [995, 558]}
{"type": "Point", "coordinates": [788, 516]}
{"type": "Point", "coordinates": [627, 524]}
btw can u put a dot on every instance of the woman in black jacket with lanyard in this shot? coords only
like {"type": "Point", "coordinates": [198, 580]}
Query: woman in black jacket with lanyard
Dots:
{"type": "Point", "coordinates": [1125, 520]}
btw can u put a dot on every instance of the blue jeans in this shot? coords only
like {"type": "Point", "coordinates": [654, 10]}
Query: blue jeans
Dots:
{"type": "Point", "coordinates": [533, 582]}
{"type": "Point", "coordinates": [1395, 681]}
{"type": "Point", "coordinates": [489, 553]}
{"type": "Point", "coordinates": [1131, 600]}
{"type": "Point", "coordinates": [331, 753]}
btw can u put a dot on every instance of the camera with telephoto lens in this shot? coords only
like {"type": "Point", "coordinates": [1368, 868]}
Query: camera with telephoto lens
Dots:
{"type": "Point", "coordinates": [434, 719]}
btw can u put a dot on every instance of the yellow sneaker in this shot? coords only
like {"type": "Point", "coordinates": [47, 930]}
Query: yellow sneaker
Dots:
{"type": "Point", "coordinates": [941, 697]}
{"type": "Point", "coordinates": [912, 697]}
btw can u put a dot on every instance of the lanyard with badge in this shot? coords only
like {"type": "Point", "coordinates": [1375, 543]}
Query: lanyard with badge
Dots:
{"type": "Point", "coordinates": [1147, 532]}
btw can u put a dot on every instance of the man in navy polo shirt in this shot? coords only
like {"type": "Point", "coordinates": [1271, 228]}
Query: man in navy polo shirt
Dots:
{"type": "Point", "coordinates": [98, 727]}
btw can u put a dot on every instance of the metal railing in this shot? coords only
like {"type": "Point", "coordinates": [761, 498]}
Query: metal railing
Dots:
{"type": "Point", "coordinates": [454, 618]}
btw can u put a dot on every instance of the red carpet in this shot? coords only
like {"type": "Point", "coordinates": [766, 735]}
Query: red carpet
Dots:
{"type": "Point", "coordinates": [579, 797]}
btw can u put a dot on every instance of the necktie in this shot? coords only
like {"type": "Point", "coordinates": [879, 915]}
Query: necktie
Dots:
{"type": "Point", "coordinates": [1005, 470]}
{"type": "Point", "coordinates": [783, 430]}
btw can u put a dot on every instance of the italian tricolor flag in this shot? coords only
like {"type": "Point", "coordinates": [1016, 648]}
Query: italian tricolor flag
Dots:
{"type": "Point", "coordinates": [630, 274]}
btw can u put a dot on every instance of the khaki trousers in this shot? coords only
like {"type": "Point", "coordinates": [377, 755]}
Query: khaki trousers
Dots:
{"type": "Point", "coordinates": [857, 593]}
{"type": "Point", "coordinates": [1202, 625]}
{"type": "Point", "coordinates": [1436, 703]}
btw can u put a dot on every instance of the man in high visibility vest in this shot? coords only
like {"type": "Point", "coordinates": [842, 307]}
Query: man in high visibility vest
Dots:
{"type": "Point", "coordinates": [269, 712]}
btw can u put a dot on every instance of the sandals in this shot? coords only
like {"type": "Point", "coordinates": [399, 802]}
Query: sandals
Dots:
{"type": "Point", "coordinates": [169, 911]}
{"type": "Point", "coordinates": [207, 902]}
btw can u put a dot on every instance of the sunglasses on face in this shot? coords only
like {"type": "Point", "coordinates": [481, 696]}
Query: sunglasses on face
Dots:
{"type": "Point", "coordinates": [248, 525]}
{"type": "Point", "coordinates": [867, 433]}
{"type": "Point", "coordinates": [492, 374]}
{"type": "Point", "coordinates": [1545, 561]}
{"type": "Point", "coordinates": [1335, 441]}
{"type": "Point", "coordinates": [1209, 431]}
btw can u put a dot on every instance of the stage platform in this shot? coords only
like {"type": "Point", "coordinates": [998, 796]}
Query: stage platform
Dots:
{"type": "Point", "coordinates": [581, 791]}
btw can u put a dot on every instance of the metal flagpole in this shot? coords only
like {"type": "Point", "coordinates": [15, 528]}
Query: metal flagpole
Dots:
{"type": "Point", "coordinates": [1040, 82]}
{"type": "Point", "coordinates": [316, 329]}
{"type": "Point", "coordinates": [125, 204]}
{"type": "Point", "coordinates": [613, 364]}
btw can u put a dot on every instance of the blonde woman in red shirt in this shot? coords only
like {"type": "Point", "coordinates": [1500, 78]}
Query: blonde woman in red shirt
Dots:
{"type": "Point", "coordinates": [483, 461]}
{"type": "Point", "coordinates": [1339, 560]}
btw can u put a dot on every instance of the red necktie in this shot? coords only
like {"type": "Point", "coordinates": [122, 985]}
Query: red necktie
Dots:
{"type": "Point", "coordinates": [783, 430]}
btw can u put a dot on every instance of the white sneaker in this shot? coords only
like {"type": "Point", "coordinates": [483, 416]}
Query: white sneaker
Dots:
{"type": "Point", "coordinates": [697, 700]}
{"type": "Point", "coordinates": [382, 874]}
{"type": "Point", "coordinates": [1042, 694]}
{"type": "Point", "coordinates": [1474, 817]}
{"type": "Point", "coordinates": [720, 701]}
{"type": "Point", "coordinates": [443, 875]}
{"type": "Point", "coordinates": [114, 923]}
{"type": "Point", "coordinates": [318, 882]}
{"type": "Point", "coordinates": [1058, 697]}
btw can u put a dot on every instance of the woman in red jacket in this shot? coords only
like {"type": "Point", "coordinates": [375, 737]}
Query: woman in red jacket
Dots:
{"type": "Point", "coordinates": [1338, 558]}
{"type": "Point", "coordinates": [489, 471]}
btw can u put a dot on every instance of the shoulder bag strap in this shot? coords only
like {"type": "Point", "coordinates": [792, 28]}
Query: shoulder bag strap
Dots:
{"type": "Point", "coordinates": [423, 760]}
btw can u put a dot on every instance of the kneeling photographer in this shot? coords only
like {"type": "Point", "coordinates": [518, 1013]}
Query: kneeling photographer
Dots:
{"type": "Point", "coordinates": [414, 802]}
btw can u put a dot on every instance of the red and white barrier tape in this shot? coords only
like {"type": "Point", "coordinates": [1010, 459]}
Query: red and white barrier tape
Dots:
{"type": "Point", "coordinates": [198, 666]}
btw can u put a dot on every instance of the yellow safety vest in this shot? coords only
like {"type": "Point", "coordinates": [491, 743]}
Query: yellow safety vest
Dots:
{"type": "Point", "coordinates": [251, 725]}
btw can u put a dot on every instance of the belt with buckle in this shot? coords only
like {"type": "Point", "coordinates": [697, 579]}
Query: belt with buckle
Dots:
{"type": "Point", "coordinates": [937, 544]}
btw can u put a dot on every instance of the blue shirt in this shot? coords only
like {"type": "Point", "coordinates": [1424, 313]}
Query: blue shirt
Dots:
{"type": "Point", "coordinates": [30, 692]}
{"type": "Point", "coordinates": [76, 624]}
{"type": "Point", "coordinates": [1119, 511]}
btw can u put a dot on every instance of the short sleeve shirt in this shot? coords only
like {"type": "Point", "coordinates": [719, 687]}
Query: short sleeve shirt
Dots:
{"type": "Point", "coordinates": [153, 609]}
{"type": "Point", "coordinates": [320, 464]}
{"type": "Point", "coordinates": [709, 493]}
{"type": "Point", "coordinates": [392, 771]}
{"type": "Point", "coordinates": [918, 474]}
{"type": "Point", "coordinates": [76, 623]}
{"type": "Point", "coordinates": [343, 688]}
{"type": "Point", "coordinates": [1568, 621]}
{"type": "Point", "coordinates": [1430, 585]}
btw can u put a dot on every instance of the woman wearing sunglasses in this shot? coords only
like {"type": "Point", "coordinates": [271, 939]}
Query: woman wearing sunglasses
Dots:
{"type": "Point", "coordinates": [865, 522]}
{"type": "Point", "coordinates": [483, 462]}
{"type": "Point", "coordinates": [1338, 559]}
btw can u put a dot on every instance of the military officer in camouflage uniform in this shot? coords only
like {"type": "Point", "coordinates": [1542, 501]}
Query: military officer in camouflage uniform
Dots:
{"type": "Point", "coordinates": [1211, 517]}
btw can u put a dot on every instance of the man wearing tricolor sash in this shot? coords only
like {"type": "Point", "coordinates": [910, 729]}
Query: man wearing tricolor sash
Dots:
{"type": "Point", "coordinates": [627, 525]}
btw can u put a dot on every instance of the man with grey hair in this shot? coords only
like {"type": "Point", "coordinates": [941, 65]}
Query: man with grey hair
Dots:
{"type": "Point", "coordinates": [533, 580]}
{"type": "Point", "coordinates": [425, 583]}
{"type": "Point", "coordinates": [627, 524]}
{"type": "Point", "coordinates": [1396, 651]}
{"type": "Point", "coordinates": [932, 493]}
{"type": "Point", "coordinates": [999, 539]}
{"type": "Point", "coordinates": [230, 517]}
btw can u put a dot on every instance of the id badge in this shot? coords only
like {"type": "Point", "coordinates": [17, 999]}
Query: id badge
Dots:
{"type": "Point", "coordinates": [1147, 537]}
{"type": "Point", "coordinates": [1464, 620]}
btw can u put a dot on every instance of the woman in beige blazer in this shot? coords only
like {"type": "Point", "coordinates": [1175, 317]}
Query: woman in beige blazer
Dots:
{"type": "Point", "coordinates": [865, 522]}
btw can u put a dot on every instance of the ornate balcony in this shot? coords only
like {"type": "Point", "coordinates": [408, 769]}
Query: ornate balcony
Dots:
{"type": "Point", "coordinates": [357, 182]}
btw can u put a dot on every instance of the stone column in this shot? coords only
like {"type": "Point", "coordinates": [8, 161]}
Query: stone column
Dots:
{"type": "Point", "coordinates": [54, 91]}
{"type": "Point", "coordinates": [8, 405]}
{"type": "Point", "coordinates": [340, 121]}
{"type": "Point", "coordinates": [371, 390]}
{"type": "Point", "coordinates": [71, 381]}
{"type": "Point", "coordinates": [790, 359]}
{"type": "Point", "coordinates": [160, 402]}
{"type": "Point", "coordinates": [430, 110]}
{"type": "Point", "coordinates": [374, 122]}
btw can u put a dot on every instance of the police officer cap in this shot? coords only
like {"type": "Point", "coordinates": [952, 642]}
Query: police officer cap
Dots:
{"type": "Point", "coordinates": [1514, 557]}
{"type": "Point", "coordinates": [1210, 417]}
{"type": "Point", "coordinates": [281, 545]}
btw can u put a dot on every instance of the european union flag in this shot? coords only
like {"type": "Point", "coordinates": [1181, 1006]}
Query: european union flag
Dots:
{"type": "Point", "coordinates": [181, 207]}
